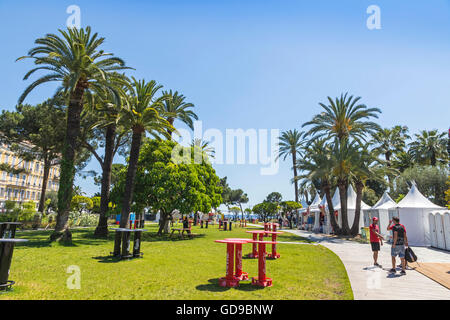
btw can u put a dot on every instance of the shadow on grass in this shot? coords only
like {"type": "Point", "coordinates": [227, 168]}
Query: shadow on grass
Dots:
{"type": "Point", "coordinates": [213, 286]}
{"type": "Point", "coordinates": [40, 238]}
{"type": "Point", "coordinates": [107, 259]}
{"type": "Point", "coordinates": [152, 237]}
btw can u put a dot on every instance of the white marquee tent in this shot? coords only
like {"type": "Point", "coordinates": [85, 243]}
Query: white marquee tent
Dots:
{"type": "Point", "coordinates": [314, 209]}
{"type": "Point", "coordinates": [413, 211]}
{"type": "Point", "coordinates": [381, 211]}
{"type": "Point", "coordinates": [335, 201]}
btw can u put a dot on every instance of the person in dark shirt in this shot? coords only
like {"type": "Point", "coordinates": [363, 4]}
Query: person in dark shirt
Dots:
{"type": "Point", "coordinates": [376, 239]}
{"type": "Point", "coordinates": [399, 243]}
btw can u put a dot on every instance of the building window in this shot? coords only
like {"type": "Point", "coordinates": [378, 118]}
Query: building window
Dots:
{"type": "Point", "coordinates": [13, 161]}
{"type": "Point", "coordinates": [4, 176]}
{"type": "Point", "coordinates": [6, 158]}
{"type": "Point", "coordinates": [28, 194]}
{"type": "Point", "coordinates": [37, 167]}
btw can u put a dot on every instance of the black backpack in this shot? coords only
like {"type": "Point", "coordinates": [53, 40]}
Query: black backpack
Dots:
{"type": "Point", "coordinates": [410, 256]}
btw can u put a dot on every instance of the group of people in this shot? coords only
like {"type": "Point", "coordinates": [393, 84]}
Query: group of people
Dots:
{"type": "Point", "coordinates": [399, 242]}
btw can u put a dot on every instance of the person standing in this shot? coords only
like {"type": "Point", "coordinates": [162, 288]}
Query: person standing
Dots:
{"type": "Point", "coordinates": [376, 239]}
{"type": "Point", "coordinates": [399, 242]}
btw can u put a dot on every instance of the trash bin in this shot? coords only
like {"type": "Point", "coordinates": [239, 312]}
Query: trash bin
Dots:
{"type": "Point", "coordinates": [6, 253]}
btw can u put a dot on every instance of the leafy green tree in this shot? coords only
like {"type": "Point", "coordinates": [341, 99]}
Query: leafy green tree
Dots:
{"type": "Point", "coordinates": [79, 203]}
{"type": "Point", "coordinates": [76, 61]}
{"type": "Point", "coordinates": [265, 210]}
{"type": "Point", "coordinates": [290, 144]}
{"type": "Point", "coordinates": [204, 147]}
{"type": "Point", "coordinates": [238, 197]}
{"type": "Point", "coordinates": [429, 147]}
{"type": "Point", "coordinates": [430, 180]}
{"type": "Point", "coordinates": [288, 208]}
{"type": "Point", "coordinates": [344, 118]}
{"type": "Point", "coordinates": [165, 185]}
{"type": "Point", "coordinates": [36, 135]}
{"type": "Point", "coordinates": [235, 211]}
{"type": "Point", "coordinates": [274, 197]}
{"type": "Point", "coordinates": [96, 204]}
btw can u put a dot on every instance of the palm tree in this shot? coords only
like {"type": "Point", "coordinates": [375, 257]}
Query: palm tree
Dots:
{"type": "Point", "coordinates": [204, 147]}
{"type": "Point", "coordinates": [290, 143]}
{"type": "Point", "coordinates": [75, 61]}
{"type": "Point", "coordinates": [107, 111]}
{"type": "Point", "coordinates": [343, 118]}
{"type": "Point", "coordinates": [429, 147]}
{"type": "Point", "coordinates": [140, 115]}
{"type": "Point", "coordinates": [390, 142]}
{"type": "Point", "coordinates": [317, 165]}
{"type": "Point", "coordinates": [175, 107]}
{"type": "Point", "coordinates": [366, 165]}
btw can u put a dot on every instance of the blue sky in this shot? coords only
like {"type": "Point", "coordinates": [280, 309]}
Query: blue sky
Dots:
{"type": "Point", "coordinates": [258, 64]}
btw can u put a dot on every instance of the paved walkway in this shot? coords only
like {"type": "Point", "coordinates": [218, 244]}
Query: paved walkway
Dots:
{"type": "Point", "coordinates": [372, 283]}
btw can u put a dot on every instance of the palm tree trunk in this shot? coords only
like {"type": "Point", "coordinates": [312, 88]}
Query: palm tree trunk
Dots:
{"type": "Point", "coordinates": [129, 184]}
{"type": "Point", "coordinates": [102, 228]}
{"type": "Point", "coordinates": [359, 190]}
{"type": "Point", "coordinates": [131, 175]}
{"type": "Point", "coordinates": [342, 185]}
{"type": "Point", "coordinates": [47, 165]}
{"type": "Point", "coordinates": [334, 224]}
{"type": "Point", "coordinates": [67, 175]}
{"type": "Point", "coordinates": [294, 161]}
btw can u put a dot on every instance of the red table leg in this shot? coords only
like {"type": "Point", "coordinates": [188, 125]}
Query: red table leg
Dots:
{"type": "Point", "coordinates": [262, 280]}
{"type": "Point", "coordinates": [241, 275]}
{"type": "Point", "coordinates": [230, 280]}
{"type": "Point", "coordinates": [261, 238]}
{"type": "Point", "coordinates": [254, 253]}
{"type": "Point", "coordinates": [274, 254]}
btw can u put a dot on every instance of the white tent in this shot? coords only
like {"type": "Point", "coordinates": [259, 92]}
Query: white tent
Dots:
{"type": "Point", "coordinates": [413, 212]}
{"type": "Point", "coordinates": [381, 211]}
{"type": "Point", "coordinates": [314, 209]}
{"type": "Point", "coordinates": [440, 236]}
{"type": "Point", "coordinates": [351, 208]}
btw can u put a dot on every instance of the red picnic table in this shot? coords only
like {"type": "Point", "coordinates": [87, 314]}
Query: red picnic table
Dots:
{"type": "Point", "coordinates": [232, 279]}
{"type": "Point", "coordinates": [273, 254]}
{"type": "Point", "coordinates": [262, 280]}
{"type": "Point", "coordinates": [254, 253]}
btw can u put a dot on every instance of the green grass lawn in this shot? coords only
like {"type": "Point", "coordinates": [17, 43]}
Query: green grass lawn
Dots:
{"type": "Point", "coordinates": [170, 269]}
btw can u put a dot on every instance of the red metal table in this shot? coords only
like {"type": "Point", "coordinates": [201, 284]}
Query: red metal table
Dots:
{"type": "Point", "coordinates": [230, 280]}
{"type": "Point", "coordinates": [254, 253]}
{"type": "Point", "coordinates": [262, 280]}
{"type": "Point", "coordinates": [275, 226]}
{"type": "Point", "coordinates": [273, 254]}
{"type": "Point", "coordinates": [238, 258]}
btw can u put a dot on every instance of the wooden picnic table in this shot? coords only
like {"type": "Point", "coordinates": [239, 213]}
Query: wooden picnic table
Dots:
{"type": "Point", "coordinates": [181, 232]}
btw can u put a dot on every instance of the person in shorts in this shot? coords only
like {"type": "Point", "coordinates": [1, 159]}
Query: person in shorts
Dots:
{"type": "Point", "coordinates": [376, 239]}
{"type": "Point", "coordinates": [399, 243]}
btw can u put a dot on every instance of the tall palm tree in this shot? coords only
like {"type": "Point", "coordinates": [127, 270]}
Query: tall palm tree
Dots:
{"type": "Point", "coordinates": [76, 61]}
{"type": "Point", "coordinates": [389, 142]}
{"type": "Point", "coordinates": [343, 118]}
{"type": "Point", "coordinates": [141, 115]}
{"type": "Point", "coordinates": [175, 107]}
{"type": "Point", "coordinates": [290, 144]}
{"type": "Point", "coordinates": [429, 147]}
{"type": "Point", "coordinates": [318, 165]}
{"type": "Point", "coordinates": [366, 165]}
{"type": "Point", "coordinates": [107, 110]}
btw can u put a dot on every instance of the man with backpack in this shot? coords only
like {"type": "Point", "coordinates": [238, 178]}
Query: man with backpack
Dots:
{"type": "Point", "coordinates": [375, 240]}
{"type": "Point", "coordinates": [399, 242]}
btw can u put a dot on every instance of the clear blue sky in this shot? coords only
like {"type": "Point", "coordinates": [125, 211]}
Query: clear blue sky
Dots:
{"type": "Point", "coordinates": [258, 64]}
